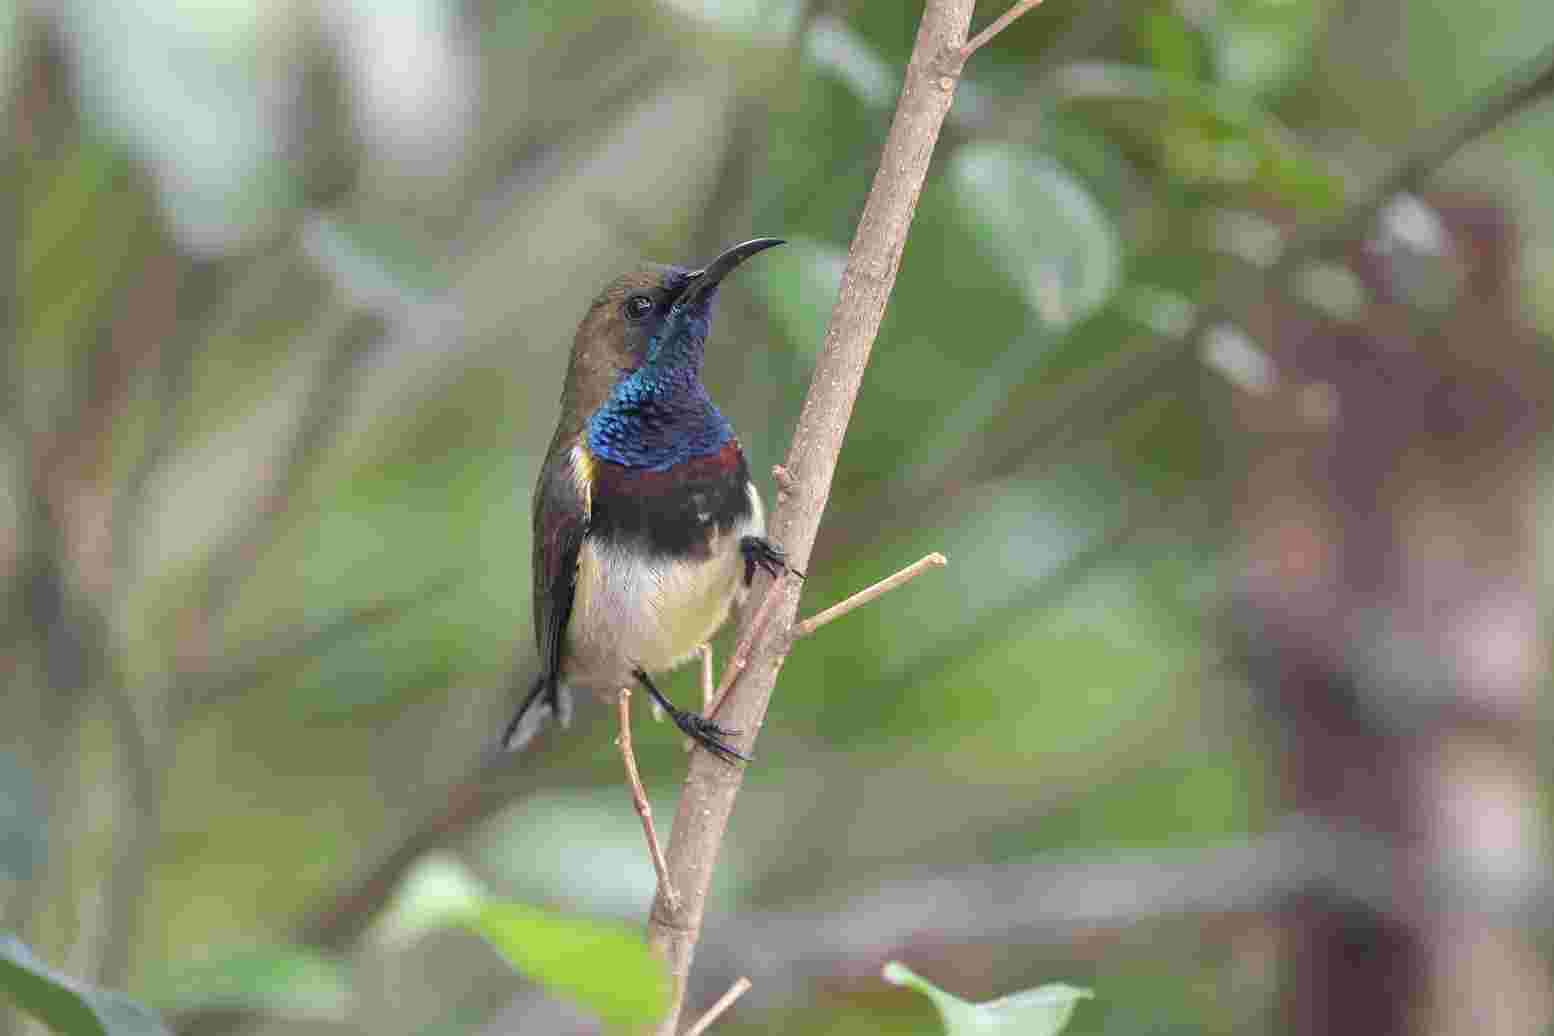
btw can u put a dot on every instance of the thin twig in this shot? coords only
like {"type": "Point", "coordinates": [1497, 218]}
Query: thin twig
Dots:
{"type": "Point", "coordinates": [864, 596]}
{"type": "Point", "coordinates": [741, 656]}
{"type": "Point", "coordinates": [1000, 23]}
{"type": "Point", "coordinates": [708, 686]}
{"type": "Point", "coordinates": [640, 800]}
{"type": "Point", "coordinates": [723, 1003]}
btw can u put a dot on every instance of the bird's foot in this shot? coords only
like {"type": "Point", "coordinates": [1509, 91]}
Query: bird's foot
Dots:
{"type": "Point", "coordinates": [695, 726]}
{"type": "Point", "coordinates": [773, 560]}
{"type": "Point", "coordinates": [709, 735]}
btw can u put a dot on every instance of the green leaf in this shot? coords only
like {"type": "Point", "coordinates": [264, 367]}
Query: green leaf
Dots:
{"type": "Point", "coordinates": [280, 980]}
{"type": "Point", "coordinates": [747, 20]}
{"type": "Point", "coordinates": [607, 968]}
{"type": "Point", "coordinates": [66, 1005]}
{"type": "Point", "coordinates": [1035, 1012]}
{"type": "Point", "coordinates": [22, 827]}
{"type": "Point", "coordinates": [1261, 46]}
{"type": "Point", "coordinates": [374, 267]}
{"type": "Point", "coordinates": [799, 286]}
{"type": "Point", "coordinates": [835, 47]}
{"type": "Point", "coordinates": [1173, 48]}
{"type": "Point", "coordinates": [201, 113]}
{"type": "Point", "coordinates": [1050, 235]}
{"type": "Point", "coordinates": [1210, 133]}
{"type": "Point", "coordinates": [438, 891]}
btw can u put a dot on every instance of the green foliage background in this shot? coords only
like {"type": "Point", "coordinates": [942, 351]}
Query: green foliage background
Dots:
{"type": "Point", "coordinates": [340, 248]}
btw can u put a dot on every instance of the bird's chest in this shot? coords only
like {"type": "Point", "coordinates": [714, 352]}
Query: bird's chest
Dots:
{"type": "Point", "coordinates": [636, 611]}
{"type": "Point", "coordinates": [679, 513]}
{"type": "Point", "coordinates": [661, 565]}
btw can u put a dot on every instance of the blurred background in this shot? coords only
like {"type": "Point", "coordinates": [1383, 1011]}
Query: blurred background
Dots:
{"type": "Point", "coordinates": [1217, 367]}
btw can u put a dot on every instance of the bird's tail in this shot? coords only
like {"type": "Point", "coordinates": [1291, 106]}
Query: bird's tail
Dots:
{"type": "Point", "coordinates": [549, 699]}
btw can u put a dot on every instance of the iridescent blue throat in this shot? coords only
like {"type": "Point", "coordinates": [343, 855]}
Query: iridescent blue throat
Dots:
{"type": "Point", "coordinates": [660, 414]}
{"type": "Point", "coordinates": [654, 420]}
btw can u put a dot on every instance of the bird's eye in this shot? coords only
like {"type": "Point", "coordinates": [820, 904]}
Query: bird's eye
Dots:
{"type": "Point", "coordinates": [638, 306]}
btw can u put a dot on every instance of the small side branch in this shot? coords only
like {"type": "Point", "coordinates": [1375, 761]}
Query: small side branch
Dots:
{"type": "Point", "coordinates": [741, 656]}
{"type": "Point", "coordinates": [714, 1012]}
{"type": "Point", "coordinates": [639, 799]}
{"type": "Point", "coordinates": [1000, 23]}
{"type": "Point", "coordinates": [864, 596]}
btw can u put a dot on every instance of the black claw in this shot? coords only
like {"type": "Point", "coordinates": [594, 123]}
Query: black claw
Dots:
{"type": "Point", "coordinates": [709, 735]}
{"type": "Point", "coordinates": [761, 551]}
{"type": "Point", "coordinates": [695, 726]}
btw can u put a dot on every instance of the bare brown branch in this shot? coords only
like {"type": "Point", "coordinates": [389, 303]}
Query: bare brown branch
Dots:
{"type": "Point", "coordinates": [723, 1003]}
{"type": "Point", "coordinates": [639, 799]}
{"type": "Point", "coordinates": [711, 786]}
{"type": "Point", "coordinates": [867, 594]}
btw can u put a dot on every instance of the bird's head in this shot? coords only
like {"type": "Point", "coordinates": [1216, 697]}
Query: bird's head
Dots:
{"type": "Point", "coordinates": [649, 325]}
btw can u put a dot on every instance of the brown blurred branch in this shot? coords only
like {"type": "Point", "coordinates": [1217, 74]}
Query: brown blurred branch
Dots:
{"type": "Point", "coordinates": [711, 786]}
{"type": "Point", "coordinates": [1058, 900]}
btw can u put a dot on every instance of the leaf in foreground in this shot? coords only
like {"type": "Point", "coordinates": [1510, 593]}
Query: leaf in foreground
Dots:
{"type": "Point", "coordinates": [66, 1005]}
{"type": "Point", "coordinates": [604, 967]}
{"type": "Point", "coordinates": [1043, 1011]}
{"type": "Point", "coordinates": [608, 968]}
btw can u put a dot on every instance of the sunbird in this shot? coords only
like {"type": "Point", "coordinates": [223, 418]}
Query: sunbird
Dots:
{"type": "Point", "coordinates": [647, 527]}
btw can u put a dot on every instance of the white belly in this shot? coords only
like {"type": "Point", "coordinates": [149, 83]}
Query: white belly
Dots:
{"type": "Point", "coordinates": [631, 612]}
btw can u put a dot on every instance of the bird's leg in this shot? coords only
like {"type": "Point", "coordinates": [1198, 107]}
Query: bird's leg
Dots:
{"type": "Point", "coordinates": [708, 687]}
{"type": "Point", "coordinates": [695, 726]}
{"type": "Point", "coordinates": [640, 801]}
{"type": "Point", "coordinates": [758, 550]}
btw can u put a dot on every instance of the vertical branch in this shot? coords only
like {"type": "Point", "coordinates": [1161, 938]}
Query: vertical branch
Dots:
{"type": "Point", "coordinates": [872, 262]}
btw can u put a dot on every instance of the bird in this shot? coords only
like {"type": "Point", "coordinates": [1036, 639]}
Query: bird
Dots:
{"type": "Point", "coordinates": [647, 527]}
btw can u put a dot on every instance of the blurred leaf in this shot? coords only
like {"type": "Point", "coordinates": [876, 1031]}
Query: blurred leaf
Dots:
{"type": "Point", "coordinates": [77, 236]}
{"type": "Point", "coordinates": [774, 19]}
{"type": "Point", "coordinates": [23, 830]}
{"type": "Point", "coordinates": [604, 966]}
{"type": "Point", "coordinates": [1174, 51]}
{"type": "Point", "coordinates": [577, 848]}
{"type": "Point", "coordinates": [1049, 234]}
{"type": "Point", "coordinates": [390, 531]}
{"type": "Point", "coordinates": [1261, 45]}
{"type": "Point", "coordinates": [1213, 134]}
{"type": "Point", "coordinates": [9, 19]}
{"type": "Point", "coordinates": [835, 47]}
{"type": "Point", "coordinates": [375, 267]}
{"type": "Point", "coordinates": [607, 968]}
{"type": "Point", "coordinates": [191, 87]}
{"type": "Point", "coordinates": [1034, 1012]}
{"type": "Point", "coordinates": [822, 145]}
{"type": "Point", "coordinates": [66, 1005]}
{"type": "Point", "coordinates": [287, 981]}
{"type": "Point", "coordinates": [799, 285]}
{"type": "Point", "coordinates": [438, 890]}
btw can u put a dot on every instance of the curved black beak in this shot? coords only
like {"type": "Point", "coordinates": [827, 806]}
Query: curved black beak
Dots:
{"type": "Point", "coordinates": [705, 281]}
